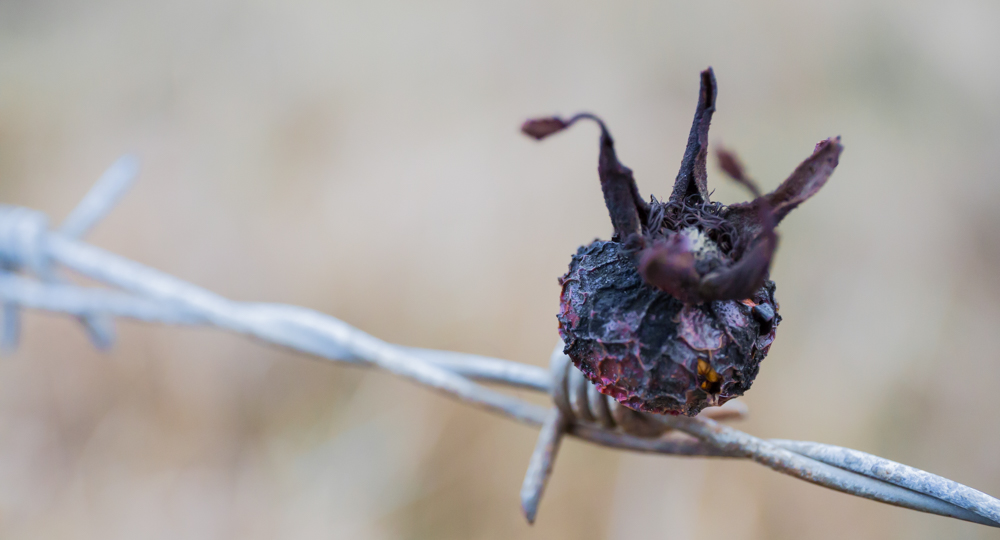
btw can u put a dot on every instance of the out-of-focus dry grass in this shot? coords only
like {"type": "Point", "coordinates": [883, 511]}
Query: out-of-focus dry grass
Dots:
{"type": "Point", "coordinates": [362, 158]}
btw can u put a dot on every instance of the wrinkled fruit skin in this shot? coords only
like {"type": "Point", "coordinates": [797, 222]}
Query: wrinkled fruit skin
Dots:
{"type": "Point", "coordinates": [650, 351]}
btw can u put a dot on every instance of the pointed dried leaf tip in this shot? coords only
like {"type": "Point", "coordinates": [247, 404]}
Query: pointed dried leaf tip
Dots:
{"type": "Point", "coordinates": [621, 195]}
{"type": "Point", "coordinates": [693, 176]}
{"type": "Point", "coordinates": [806, 180]}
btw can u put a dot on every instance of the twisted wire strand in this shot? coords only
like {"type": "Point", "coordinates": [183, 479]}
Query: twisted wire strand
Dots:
{"type": "Point", "coordinates": [840, 469]}
{"type": "Point", "coordinates": [579, 400]}
{"type": "Point", "coordinates": [581, 408]}
{"type": "Point", "coordinates": [26, 245]}
{"type": "Point", "coordinates": [23, 233]}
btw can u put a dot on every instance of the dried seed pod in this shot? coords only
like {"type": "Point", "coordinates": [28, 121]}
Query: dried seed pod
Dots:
{"type": "Point", "coordinates": [675, 312]}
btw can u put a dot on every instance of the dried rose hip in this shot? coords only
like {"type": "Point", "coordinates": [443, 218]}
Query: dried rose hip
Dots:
{"type": "Point", "coordinates": [675, 312]}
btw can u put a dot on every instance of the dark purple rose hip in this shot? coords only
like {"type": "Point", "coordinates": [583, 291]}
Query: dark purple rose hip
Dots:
{"type": "Point", "coordinates": [675, 312]}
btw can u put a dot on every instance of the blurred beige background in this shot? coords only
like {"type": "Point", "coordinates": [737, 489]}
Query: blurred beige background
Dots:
{"type": "Point", "coordinates": [363, 159]}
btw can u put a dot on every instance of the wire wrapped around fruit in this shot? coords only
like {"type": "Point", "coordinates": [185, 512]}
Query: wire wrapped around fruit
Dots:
{"type": "Point", "coordinates": [676, 311]}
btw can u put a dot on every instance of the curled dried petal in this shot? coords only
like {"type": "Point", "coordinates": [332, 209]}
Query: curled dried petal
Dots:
{"type": "Point", "coordinates": [806, 180]}
{"type": "Point", "coordinates": [803, 183]}
{"type": "Point", "coordinates": [621, 195]}
{"type": "Point", "coordinates": [539, 128]}
{"type": "Point", "coordinates": [743, 279]}
{"type": "Point", "coordinates": [669, 266]}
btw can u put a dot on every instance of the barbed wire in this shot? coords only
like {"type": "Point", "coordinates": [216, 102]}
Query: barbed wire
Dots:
{"type": "Point", "coordinates": [31, 254]}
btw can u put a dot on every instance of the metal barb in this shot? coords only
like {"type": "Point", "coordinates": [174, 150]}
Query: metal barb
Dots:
{"type": "Point", "coordinates": [153, 296]}
{"type": "Point", "coordinates": [541, 463]}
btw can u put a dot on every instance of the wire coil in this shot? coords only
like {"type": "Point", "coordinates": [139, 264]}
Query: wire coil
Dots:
{"type": "Point", "coordinates": [580, 402]}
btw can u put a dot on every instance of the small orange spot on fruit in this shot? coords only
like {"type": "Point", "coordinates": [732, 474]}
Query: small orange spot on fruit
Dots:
{"type": "Point", "coordinates": [710, 378]}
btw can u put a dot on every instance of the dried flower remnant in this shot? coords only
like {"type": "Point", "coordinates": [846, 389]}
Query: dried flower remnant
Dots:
{"type": "Point", "coordinates": [676, 311]}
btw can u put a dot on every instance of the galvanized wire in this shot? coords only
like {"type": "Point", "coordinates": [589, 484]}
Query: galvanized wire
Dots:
{"type": "Point", "coordinates": [30, 255]}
